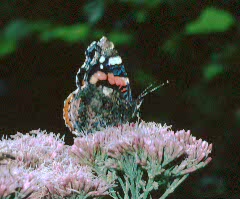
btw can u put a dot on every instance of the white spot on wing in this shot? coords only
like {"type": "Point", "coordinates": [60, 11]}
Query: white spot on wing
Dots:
{"type": "Point", "coordinates": [118, 60]}
{"type": "Point", "coordinates": [111, 61]}
{"type": "Point", "coordinates": [107, 91]}
{"type": "Point", "coordinates": [115, 60]}
{"type": "Point", "coordinates": [101, 66]}
{"type": "Point", "coordinates": [102, 59]}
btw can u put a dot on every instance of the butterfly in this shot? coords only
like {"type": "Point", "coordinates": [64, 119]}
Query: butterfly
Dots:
{"type": "Point", "coordinates": [103, 96]}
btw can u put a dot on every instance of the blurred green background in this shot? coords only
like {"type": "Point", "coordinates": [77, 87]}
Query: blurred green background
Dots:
{"type": "Point", "coordinates": [193, 44]}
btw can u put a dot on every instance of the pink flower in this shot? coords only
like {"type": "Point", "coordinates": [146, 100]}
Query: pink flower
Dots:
{"type": "Point", "coordinates": [148, 143]}
{"type": "Point", "coordinates": [40, 165]}
{"type": "Point", "coordinates": [43, 167]}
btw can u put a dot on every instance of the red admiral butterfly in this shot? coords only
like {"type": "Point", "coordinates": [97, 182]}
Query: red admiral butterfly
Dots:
{"type": "Point", "coordinates": [103, 96]}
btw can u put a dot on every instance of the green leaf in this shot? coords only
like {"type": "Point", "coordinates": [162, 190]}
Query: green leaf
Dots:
{"type": "Point", "coordinates": [39, 26]}
{"type": "Point", "coordinates": [69, 34]}
{"type": "Point", "coordinates": [212, 70]}
{"type": "Point", "coordinates": [211, 20]}
{"type": "Point", "coordinates": [7, 47]}
{"type": "Point", "coordinates": [94, 10]}
{"type": "Point", "coordinates": [16, 30]}
{"type": "Point", "coordinates": [120, 38]}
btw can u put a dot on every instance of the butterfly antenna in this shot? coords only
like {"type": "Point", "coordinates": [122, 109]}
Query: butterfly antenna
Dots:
{"type": "Point", "coordinates": [150, 89]}
{"type": "Point", "coordinates": [146, 91]}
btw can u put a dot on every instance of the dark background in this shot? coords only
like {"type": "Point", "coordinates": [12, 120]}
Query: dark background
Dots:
{"type": "Point", "coordinates": [196, 46]}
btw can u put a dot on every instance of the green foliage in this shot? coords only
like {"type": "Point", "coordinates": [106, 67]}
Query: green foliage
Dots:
{"type": "Point", "coordinates": [94, 10]}
{"type": "Point", "coordinates": [37, 26]}
{"type": "Point", "coordinates": [120, 38]}
{"type": "Point", "coordinates": [9, 38]}
{"type": "Point", "coordinates": [132, 183]}
{"type": "Point", "coordinates": [138, 182]}
{"type": "Point", "coordinates": [211, 20]}
{"type": "Point", "coordinates": [7, 47]}
{"type": "Point", "coordinates": [18, 30]}
{"type": "Point", "coordinates": [212, 70]}
{"type": "Point", "coordinates": [19, 26]}
{"type": "Point", "coordinates": [48, 32]}
{"type": "Point", "coordinates": [74, 33]}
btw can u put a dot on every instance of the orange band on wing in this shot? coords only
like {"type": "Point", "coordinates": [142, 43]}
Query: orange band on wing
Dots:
{"type": "Point", "coordinates": [101, 75]}
{"type": "Point", "coordinates": [66, 109]}
{"type": "Point", "coordinates": [98, 76]}
{"type": "Point", "coordinates": [120, 81]}
{"type": "Point", "coordinates": [111, 79]}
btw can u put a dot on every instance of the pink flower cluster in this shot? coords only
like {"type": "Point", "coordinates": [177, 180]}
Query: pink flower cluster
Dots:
{"type": "Point", "coordinates": [149, 143]}
{"type": "Point", "coordinates": [43, 167]}
{"type": "Point", "coordinates": [40, 165]}
{"type": "Point", "coordinates": [13, 177]}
